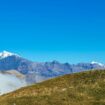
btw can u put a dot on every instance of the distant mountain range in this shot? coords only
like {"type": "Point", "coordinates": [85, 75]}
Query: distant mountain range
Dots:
{"type": "Point", "coordinates": [16, 71]}
{"type": "Point", "coordinates": [36, 72]}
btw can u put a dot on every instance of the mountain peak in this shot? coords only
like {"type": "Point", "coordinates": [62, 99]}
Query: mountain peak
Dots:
{"type": "Point", "coordinates": [5, 54]}
{"type": "Point", "coordinates": [94, 62]}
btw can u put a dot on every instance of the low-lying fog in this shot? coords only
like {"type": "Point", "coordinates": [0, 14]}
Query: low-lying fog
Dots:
{"type": "Point", "coordinates": [10, 83]}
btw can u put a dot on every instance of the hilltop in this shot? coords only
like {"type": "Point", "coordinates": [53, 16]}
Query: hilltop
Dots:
{"type": "Point", "coordinates": [85, 88]}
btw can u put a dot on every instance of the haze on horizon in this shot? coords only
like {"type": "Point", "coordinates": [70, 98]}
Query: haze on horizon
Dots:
{"type": "Point", "coordinates": [63, 30]}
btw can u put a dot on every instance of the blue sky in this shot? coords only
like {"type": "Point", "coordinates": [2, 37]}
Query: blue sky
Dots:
{"type": "Point", "coordinates": [45, 30]}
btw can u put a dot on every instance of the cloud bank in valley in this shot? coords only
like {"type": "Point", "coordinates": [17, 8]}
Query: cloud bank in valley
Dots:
{"type": "Point", "coordinates": [9, 83]}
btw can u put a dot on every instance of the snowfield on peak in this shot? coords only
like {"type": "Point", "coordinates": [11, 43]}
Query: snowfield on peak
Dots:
{"type": "Point", "coordinates": [5, 54]}
{"type": "Point", "coordinates": [98, 63]}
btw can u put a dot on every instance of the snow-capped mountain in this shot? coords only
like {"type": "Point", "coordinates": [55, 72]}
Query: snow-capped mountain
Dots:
{"type": "Point", "coordinates": [5, 54]}
{"type": "Point", "coordinates": [36, 71]}
{"type": "Point", "coordinates": [97, 63]}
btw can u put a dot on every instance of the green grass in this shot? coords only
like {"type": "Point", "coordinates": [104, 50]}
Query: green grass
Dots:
{"type": "Point", "coordinates": [86, 88]}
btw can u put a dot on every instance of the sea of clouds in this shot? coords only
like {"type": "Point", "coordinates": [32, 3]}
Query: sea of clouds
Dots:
{"type": "Point", "coordinates": [9, 83]}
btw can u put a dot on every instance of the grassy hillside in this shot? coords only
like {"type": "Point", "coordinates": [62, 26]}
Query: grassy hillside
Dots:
{"type": "Point", "coordinates": [86, 88]}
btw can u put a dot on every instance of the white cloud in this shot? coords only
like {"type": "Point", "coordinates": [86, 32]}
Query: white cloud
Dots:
{"type": "Point", "coordinates": [10, 83]}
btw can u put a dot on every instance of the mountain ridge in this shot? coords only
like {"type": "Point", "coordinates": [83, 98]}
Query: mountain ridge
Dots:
{"type": "Point", "coordinates": [35, 72]}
